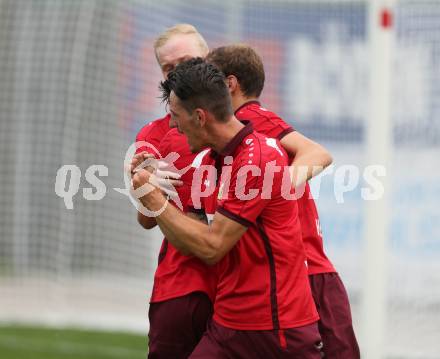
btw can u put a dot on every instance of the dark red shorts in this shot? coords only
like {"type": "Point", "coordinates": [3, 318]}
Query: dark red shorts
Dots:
{"type": "Point", "coordinates": [177, 325]}
{"type": "Point", "coordinates": [335, 324]}
{"type": "Point", "coordinates": [220, 342]}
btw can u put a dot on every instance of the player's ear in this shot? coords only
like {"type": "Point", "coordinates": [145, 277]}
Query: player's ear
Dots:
{"type": "Point", "coordinates": [232, 83]}
{"type": "Point", "coordinates": [200, 116]}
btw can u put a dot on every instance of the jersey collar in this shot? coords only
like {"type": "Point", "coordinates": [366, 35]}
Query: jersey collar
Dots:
{"type": "Point", "coordinates": [246, 104]}
{"type": "Point", "coordinates": [230, 148]}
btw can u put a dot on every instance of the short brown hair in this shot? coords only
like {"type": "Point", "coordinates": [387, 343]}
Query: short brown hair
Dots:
{"type": "Point", "coordinates": [243, 62]}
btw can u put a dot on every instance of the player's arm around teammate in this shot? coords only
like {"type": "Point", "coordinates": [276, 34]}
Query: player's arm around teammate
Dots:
{"type": "Point", "coordinates": [245, 78]}
{"type": "Point", "coordinates": [309, 157]}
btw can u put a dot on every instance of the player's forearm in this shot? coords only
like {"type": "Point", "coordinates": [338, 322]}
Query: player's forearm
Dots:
{"type": "Point", "coordinates": [188, 235]}
{"type": "Point", "coordinates": [308, 164]}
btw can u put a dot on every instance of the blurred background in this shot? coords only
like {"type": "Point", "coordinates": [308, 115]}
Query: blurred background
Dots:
{"type": "Point", "coordinates": [79, 79]}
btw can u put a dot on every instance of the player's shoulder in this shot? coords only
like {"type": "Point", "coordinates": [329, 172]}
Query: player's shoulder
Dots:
{"type": "Point", "coordinates": [259, 149]}
{"type": "Point", "coordinates": [149, 136]}
{"type": "Point", "coordinates": [164, 122]}
{"type": "Point", "coordinates": [174, 141]}
{"type": "Point", "coordinates": [173, 134]}
{"type": "Point", "coordinates": [160, 125]}
{"type": "Point", "coordinates": [263, 120]}
{"type": "Point", "coordinates": [254, 109]}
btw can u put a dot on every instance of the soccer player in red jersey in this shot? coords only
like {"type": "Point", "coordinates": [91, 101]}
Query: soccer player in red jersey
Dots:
{"type": "Point", "coordinates": [183, 289]}
{"type": "Point", "coordinates": [244, 72]}
{"type": "Point", "coordinates": [263, 305]}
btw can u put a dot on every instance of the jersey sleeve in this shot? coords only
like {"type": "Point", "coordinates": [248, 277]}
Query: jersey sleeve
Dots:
{"type": "Point", "coordinates": [266, 122]}
{"type": "Point", "coordinates": [242, 201]}
{"type": "Point", "coordinates": [275, 127]}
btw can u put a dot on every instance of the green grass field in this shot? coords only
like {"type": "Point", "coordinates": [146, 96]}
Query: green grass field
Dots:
{"type": "Point", "coordinates": [18, 342]}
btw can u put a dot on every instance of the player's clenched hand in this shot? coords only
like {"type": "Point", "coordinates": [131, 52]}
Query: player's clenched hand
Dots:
{"type": "Point", "coordinates": [162, 169]}
{"type": "Point", "coordinates": [164, 176]}
{"type": "Point", "coordinates": [161, 179]}
{"type": "Point", "coordinates": [143, 183]}
{"type": "Point", "coordinates": [165, 173]}
{"type": "Point", "coordinates": [142, 160]}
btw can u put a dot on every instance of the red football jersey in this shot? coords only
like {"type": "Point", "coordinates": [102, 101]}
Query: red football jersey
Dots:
{"type": "Point", "coordinates": [153, 133]}
{"type": "Point", "coordinates": [270, 124]}
{"type": "Point", "coordinates": [177, 274]}
{"type": "Point", "coordinates": [262, 281]}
